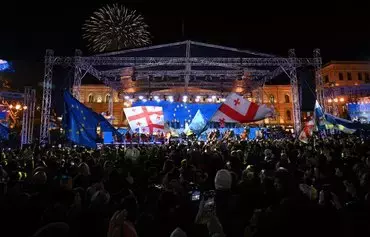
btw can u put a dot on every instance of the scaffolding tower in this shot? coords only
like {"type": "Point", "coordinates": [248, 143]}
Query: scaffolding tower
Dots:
{"type": "Point", "coordinates": [28, 116]}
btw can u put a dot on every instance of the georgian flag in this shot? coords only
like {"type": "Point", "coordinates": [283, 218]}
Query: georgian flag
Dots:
{"type": "Point", "coordinates": [236, 109]}
{"type": "Point", "coordinates": [145, 119]}
{"type": "Point", "coordinates": [307, 131]}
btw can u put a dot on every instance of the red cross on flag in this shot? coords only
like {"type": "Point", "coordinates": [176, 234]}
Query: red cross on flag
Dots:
{"type": "Point", "coordinates": [237, 109]}
{"type": "Point", "coordinates": [145, 119]}
{"type": "Point", "coordinates": [307, 131]}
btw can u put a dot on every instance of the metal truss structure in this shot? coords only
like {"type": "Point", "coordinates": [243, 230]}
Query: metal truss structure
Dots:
{"type": "Point", "coordinates": [28, 116]}
{"type": "Point", "coordinates": [134, 68]}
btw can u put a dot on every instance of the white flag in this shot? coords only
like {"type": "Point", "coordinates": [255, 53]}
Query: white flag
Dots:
{"type": "Point", "coordinates": [145, 119]}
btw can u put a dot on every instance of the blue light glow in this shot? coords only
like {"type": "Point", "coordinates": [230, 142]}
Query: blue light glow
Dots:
{"type": "Point", "coordinates": [4, 65]}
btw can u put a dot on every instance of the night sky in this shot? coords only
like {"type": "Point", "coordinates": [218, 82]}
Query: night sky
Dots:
{"type": "Point", "coordinates": [342, 32]}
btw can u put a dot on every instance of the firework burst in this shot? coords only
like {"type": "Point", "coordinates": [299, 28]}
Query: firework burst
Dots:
{"type": "Point", "coordinates": [114, 28]}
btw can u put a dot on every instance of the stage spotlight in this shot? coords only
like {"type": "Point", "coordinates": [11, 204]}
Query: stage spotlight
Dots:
{"type": "Point", "coordinates": [170, 98]}
{"type": "Point", "coordinates": [127, 97]}
{"type": "Point", "coordinates": [198, 96]}
{"type": "Point", "coordinates": [141, 97]}
{"type": "Point", "coordinates": [197, 99]}
{"type": "Point", "coordinates": [185, 98]}
{"type": "Point", "coordinates": [214, 97]}
{"type": "Point", "coordinates": [335, 100]}
{"type": "Point", "coordinates": [223, 99]}
{"type": "Point", "coordinates": [156, 97]}
{"type": "Point", "coordinates": [209, 99]}
{"type": "Point", "coordinates": [341, 99]}
{"type": "Point", "coordinates": [145, 100]}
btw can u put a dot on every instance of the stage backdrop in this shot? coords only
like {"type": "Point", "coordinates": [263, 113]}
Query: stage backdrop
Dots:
{"type": "Point", "coordinates": [359, 111]}
{"type": "Point", "coordinates": [182, 112]}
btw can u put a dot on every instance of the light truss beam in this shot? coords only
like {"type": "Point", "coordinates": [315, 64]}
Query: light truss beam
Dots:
{"type": "Point", "coordinates": [195, 61]}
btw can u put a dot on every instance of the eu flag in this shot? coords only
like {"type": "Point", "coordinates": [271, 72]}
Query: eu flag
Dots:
{"type": "Point", "coordinates": [80, 122]}
{"type": "Point", "coordinates": [4, 132]}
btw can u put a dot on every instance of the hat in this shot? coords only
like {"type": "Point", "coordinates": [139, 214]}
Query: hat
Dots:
{"type": "Point", "coordinates": [178, 233]}
{"type": "Point", "coordinates": [223, 180]}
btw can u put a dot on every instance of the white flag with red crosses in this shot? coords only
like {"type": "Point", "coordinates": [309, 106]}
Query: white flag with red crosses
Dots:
{"type": "Point", "coordinates": [145, 119]}
{"type": "Point", "coordinates": [237, 109]}
{"type": "Point", "coordinates": [307, 131]}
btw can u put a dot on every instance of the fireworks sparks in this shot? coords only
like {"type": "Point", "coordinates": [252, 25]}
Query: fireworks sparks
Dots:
{"type": "Point", "coordinates": [114, 28]}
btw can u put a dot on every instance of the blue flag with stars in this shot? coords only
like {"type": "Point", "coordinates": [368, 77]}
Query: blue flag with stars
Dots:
{"type": "Point", "coordinates": [80, 122]}
{"type": "Point", "coordinates": [4, 132]}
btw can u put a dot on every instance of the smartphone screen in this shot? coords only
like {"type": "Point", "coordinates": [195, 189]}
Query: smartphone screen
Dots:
{"type": "Point", "coordinates": [195, 196]}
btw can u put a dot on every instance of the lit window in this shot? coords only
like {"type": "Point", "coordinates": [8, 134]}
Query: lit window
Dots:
{"type": "Point", "coordinates": [326, 79]}
{"type": "Point", "coordinates": [359, 75]}
{"type": "Point", "coordinates": [107, 98]}
{"type": "Point", "coordinates": [367, 77]}
{"type": "Point", "coordinates": [272, 99]}
{"type": "Point", "coordinates": [341, 76]}
{"type": "Point", "coordinates": [288, 115]}
{"type": "Point", "coordinates": [287, 99]}
{"type": "Point", "coordinates": [91, 98]}
{"type": "Point", "coordinates": [349, 76]}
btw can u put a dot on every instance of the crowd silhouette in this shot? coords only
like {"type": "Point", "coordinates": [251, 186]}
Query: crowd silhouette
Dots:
{"type": "Point", "coordinates": [229, 187]}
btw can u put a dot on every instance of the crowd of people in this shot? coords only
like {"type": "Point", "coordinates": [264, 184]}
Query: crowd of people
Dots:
{"type": "Point", "coordinates": [228, 187]}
